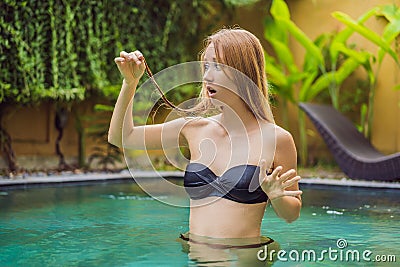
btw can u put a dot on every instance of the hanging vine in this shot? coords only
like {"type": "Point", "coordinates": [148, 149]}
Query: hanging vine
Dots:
{"type": "Point", "coordinates": [63, 50]}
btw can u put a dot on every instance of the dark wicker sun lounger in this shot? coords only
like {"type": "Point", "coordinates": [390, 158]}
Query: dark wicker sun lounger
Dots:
{"type": "Point", "coordinates": [354, 154]}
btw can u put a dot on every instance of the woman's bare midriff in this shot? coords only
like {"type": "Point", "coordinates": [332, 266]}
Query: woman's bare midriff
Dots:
{"type": "Point", "coordinates": [223, 218]}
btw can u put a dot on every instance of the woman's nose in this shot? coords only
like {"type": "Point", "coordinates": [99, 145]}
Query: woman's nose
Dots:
{"type": "Point", "coordinates": [207, 76]}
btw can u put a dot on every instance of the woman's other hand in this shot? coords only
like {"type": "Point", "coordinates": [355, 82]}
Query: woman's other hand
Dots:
{"type": "Point", "coordinates": [275, 184]}
{"type": "Point", "coordinates": [131, 65]}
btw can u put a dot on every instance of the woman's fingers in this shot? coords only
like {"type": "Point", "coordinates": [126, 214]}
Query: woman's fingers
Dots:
{"type": "Point", "coordinates": [139, 55]}
{"type": "Point", "coordinates": [263, 170]}
{"type": "Point", "coordinates": [124, 54]}
{"type": "Point", "coordinates": [119, 60]}
{"type": "Point", "coordinates": [288, 174]}
{"type": "Point", "coordinates": [135, 56]}
{"type": "Point", "coordinates": [291, 182]}
{"type": "Point", "coordinates": [275, 173]}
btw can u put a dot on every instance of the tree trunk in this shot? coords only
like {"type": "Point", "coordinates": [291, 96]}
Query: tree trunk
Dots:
{"type": "Point", "coordinates": [6, 145]}
{"type": "Point", "coordinates": [60, 123]}
{"type": "Point", "coordinates": [7, 150]}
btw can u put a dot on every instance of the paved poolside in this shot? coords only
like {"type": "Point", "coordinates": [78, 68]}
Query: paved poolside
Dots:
{"type": "Point", "coordinates": [93, 177]}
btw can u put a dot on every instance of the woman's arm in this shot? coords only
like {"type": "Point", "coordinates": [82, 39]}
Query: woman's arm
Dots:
{"type": "Point", "coordinates": [282, 186]}
{"type": "Point", "coordinates": [131, 66]}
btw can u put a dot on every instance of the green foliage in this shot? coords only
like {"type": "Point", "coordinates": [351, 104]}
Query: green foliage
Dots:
{"type": "Point", "coordinates": [64, 50]}
{"type": "Point", "coordinates": [48, 47]}
{"type": "Point", "coordinates": [367, 33]}
{"type": "Point", "coordinates": [329, 59]}
{"type": "Point", "coordinates": [368, 60]}
{"type": "Point", "coordinates": [30, 71]}
{"type": "Point", "coordinates": [284, 74]}
{"type": "Point", "coordinates": [240, 2]}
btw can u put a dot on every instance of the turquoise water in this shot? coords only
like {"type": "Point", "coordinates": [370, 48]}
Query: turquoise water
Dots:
{"type": "Point", "coordinates": [117, 225]}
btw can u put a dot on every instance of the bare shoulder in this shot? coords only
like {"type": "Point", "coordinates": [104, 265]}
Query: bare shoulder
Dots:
{"type": "Point", "coordinates": [282, 134]}
{"type": "Point", "coordinates": [285, 152]}
{"type": "Point", "coordinates": [284, 138]}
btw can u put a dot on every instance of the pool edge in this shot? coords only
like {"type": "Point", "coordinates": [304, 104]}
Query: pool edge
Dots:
{"type": "Point", "coordinates": [29, 181]}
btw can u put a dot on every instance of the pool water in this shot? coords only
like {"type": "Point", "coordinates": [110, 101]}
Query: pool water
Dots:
{"type": "Point", "coordinates": [118, 225]}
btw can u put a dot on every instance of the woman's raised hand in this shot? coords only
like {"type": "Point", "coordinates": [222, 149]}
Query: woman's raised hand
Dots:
{"type": "Point", "coordinates": [275, 184]}
{"type": "Point", "coordinates": [131, 65]}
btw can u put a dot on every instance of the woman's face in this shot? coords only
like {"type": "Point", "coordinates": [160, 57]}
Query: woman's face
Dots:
{"type": "Point", "coordinates": [218, 84]}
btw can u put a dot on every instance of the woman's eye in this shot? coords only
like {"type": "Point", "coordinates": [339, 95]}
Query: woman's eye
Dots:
{"type": "Point", "coordinates": [216, 66]}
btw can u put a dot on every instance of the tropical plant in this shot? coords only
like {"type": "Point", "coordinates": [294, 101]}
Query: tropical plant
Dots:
{"type": "Point", "coordinates": [287, 80]}
{"type": "Point", "coordinates": [328, 60]}
{"type": "Point", "coordinates": [368, 60]}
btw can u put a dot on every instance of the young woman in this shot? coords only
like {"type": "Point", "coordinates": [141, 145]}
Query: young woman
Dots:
{"type": "Point", "coordinates": [227, 150]}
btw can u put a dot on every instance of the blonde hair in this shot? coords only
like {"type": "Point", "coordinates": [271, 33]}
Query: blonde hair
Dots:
{"type": "Point", "coordinates": [241, 50]}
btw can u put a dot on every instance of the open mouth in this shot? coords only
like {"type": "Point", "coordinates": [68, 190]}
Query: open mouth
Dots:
{"type": "Point", "coordinates": [211, 91]}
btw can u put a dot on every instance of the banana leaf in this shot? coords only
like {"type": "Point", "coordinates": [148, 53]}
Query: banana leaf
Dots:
{"type": "Point", "coordinates": [344, 35]}
{"type": "Point", "coordinates": [366, 33]}
{"type": "Point", "coordinates": [336, 77]}
{"type": "Point", "coordinates": [280, 10]}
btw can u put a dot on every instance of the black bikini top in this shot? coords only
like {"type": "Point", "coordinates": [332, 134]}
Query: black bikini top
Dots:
{"type": "Point", "coordinates": [239, 183]}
